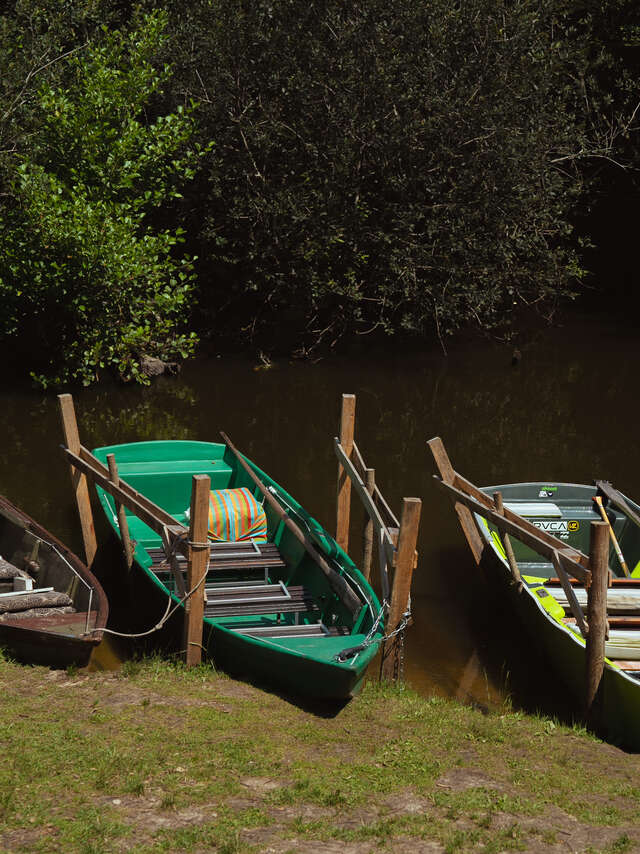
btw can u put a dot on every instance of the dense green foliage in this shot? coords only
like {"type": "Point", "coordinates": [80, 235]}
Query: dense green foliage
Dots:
{"type": "Point", "coordinates": [411, 167]}
{"type": "Point", "coordinates": [389, 164]}
{"type": "Point", "coordinates": [81, 267]}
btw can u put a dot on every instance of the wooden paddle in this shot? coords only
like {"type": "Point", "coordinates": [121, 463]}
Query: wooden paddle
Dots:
{"type": "Point", "coordinates": [338, 584]}
{"type": "Point", "coordinates": [614, 539]}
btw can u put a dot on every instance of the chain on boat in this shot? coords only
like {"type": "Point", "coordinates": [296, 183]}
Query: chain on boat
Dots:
{"type": "Point", "coordinates": [354, 651]}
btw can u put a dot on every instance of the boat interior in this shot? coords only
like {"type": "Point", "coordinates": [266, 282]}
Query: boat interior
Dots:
{"type": "Point", "coordinates": [262, 589]}
{"type": "Point", "coordinates": [566, 511]}
{"type": "Point", "coordinates": [39, 586]}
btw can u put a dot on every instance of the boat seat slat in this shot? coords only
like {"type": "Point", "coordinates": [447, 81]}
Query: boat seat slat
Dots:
{"type": "Point", "coordinates": [297, 600]}
{"type": "Point", "coordinates": [230, 557]}
{"type": "Point", "coordinates": [304, 630]}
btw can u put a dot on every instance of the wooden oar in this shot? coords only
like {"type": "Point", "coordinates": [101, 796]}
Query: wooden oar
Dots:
{"type": "Point", "coordinates": [614, 539]}
{"type": "Point", "coordinates": [338, 584]}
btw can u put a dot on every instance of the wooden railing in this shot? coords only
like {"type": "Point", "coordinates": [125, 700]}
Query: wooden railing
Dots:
{"type": "Point", "coordinates": [395, 540]}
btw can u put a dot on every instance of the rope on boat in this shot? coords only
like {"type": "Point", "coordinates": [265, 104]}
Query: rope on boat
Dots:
{"type": "Point", "coordinates": [169, 612]}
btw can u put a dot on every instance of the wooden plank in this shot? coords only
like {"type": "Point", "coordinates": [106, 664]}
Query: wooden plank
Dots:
{"type": "Point", "coordinates": [358, 461]}
{"type": "Point", "coordinates": [198, 560]}
{"type": "Point", "coordinates": [597, 618]}
{"type": "Point", "coordinates": [343, 509]}
{"type": "Point", "coordinates": [511, 523]}
{"type": "Point", "coordinates": [465, 517]}
{"type": "Point", "coordinates": [153, 509]}
{"type": "Point", "coordinates": [389, 517]}
{"type": "Point", "coordinates": [614, 582]}
{"type": "Point", "coordinates": [472, 490]}
{"type": "Point", "coordinates": [336, 581]}
{"type": "Point", "coordinates": [614, 622]}
{"type": "Point", "coordinates": [78, 478]}
{"type": "Point", "coordinates": [148, 512]}
{"type": "Point", "coordinates": [405, 562]}
{"type": "Point", "coordinates": [369, 505]}
{"type": "Point", "coordinates": [121, 513]}
{"type": "Point", "coordinates": [617, 499]}
{"type": "Point", "coordinates": [576, 610]}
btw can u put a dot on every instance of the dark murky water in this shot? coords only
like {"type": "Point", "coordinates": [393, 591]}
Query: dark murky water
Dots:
{"type": "Point", "coordinates": [568, 411]}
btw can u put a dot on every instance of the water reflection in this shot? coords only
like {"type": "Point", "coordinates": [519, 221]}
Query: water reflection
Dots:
{"type": "Point", "coordinates": [566, 412]}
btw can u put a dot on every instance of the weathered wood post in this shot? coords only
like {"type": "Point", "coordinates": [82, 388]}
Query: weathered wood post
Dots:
{"type": "Point", "coordinates": [197, 565]}
{"type": "Point", "coordinates": [448, 475]}
{"type": "Point", "coordinates": [506, 541]}
{"type": "Point", "coordinates": [597, 620]}
{"type": "Point", "coordinates": [367, 552]}
{"type": "Point", "coordinates": [78, 479]}
{"type": "Point", "coordinates": [405, 563]}
{"type": "Point", "coordinates": [121, 512]}
{"type": "Point", "coordinates": [347, 427]}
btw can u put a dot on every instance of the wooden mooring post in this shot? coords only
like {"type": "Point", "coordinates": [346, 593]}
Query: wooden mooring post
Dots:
{"type": "Point", "coordinates": [85, 467]}
{"type": "Point", "coordinates": [343, 513]}
{"type": "Point", "coordinates": [395, 541]}
{"type": "Point", "coordinates": [597, 621]}
{"type": "Point", "coordinates": [197, 565]}
{"type": "Point", "coordinates": [78, 478]}
{"type": "Point", "coordinates": [402, 577]}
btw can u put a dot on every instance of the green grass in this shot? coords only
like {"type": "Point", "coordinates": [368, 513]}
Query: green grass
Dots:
{"type": "Point", "coordinates": [160, 758]}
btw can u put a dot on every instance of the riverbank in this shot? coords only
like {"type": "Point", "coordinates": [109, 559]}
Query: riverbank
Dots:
{"type": "Point", "coordinates": [157, 758]}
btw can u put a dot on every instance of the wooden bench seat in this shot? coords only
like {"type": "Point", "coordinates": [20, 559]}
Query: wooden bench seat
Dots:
{"type": "Point", "coordinates": [244, 601]}
{"type": "Point", "coordinates": [614, 622]}
{"type": "Point", "coordinates": [301, 630]}
{"type": "Point", "coordinates": [227, 557]}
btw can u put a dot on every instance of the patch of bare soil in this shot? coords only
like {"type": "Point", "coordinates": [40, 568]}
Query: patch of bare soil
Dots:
{"type": "Point", "coordinates": [400, 846]}
{"type": "Point", "coordinates": [459, 779]}
{"type": "Point", "coordinates": [148, 813]}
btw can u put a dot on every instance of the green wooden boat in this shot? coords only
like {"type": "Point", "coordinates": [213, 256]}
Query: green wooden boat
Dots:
{"type": "Point", "coordinates": [270, 612]}
{"type": "Point", "coordinates": [566, 510]}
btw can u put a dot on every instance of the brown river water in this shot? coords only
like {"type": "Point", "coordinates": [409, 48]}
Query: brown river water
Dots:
{"type": "Point", "coordinates": [567, 411]}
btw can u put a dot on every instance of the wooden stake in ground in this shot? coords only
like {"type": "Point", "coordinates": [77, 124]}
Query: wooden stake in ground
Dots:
{"type": "Point", "coordinates": [121, 513]}
{"type": "Point", "coordinates": [597, 620]}
{"type": "Point", "coordinates": [405, 563]}
{"type": "Point", "coordinates": [79, 480]}
{"type": "Point", "coordinates": [347, 426]}
{"type": "Point", "coordinates": [197, 565]}
{"type": "Point", "coordinates": [367, 552]}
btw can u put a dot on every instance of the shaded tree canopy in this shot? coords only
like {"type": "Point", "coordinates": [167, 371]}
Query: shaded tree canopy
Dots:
{"type": "Point", "coordinates": [413, 168]}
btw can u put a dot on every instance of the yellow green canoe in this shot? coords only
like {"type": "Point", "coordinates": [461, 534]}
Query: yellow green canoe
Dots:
{"type": "Point", "coordinates": [566, 511]}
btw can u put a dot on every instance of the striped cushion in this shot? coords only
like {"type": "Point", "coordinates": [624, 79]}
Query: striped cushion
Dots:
{"type": "Point", "coordinates": [235, 515]}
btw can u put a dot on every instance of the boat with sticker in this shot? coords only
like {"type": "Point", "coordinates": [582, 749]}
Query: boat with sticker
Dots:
{"type": "Point", "coordinates": [283, 602]}
{"type": "Point", "coordinates": [52, 608]}
{"type": "Point", "coordinates": [555, 519]}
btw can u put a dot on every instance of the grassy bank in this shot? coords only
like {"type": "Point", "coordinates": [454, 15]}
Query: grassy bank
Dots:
{"type": "Point", "coordinates": [158, 758]}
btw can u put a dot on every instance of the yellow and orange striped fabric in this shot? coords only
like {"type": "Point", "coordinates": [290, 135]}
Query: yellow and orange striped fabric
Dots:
{"type": "Point", "coordinates": [235, 515]}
